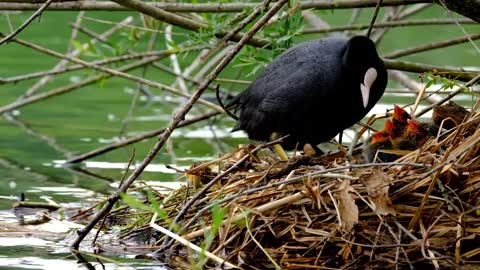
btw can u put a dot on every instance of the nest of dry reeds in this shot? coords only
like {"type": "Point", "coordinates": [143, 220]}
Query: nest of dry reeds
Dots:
{"type": "Point", "coordinates": [329, 212]}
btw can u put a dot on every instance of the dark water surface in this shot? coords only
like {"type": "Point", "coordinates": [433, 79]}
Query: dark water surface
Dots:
{"type": "Point", "coordinates": [37, 138]}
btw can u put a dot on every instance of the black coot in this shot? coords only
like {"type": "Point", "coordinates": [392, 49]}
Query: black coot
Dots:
{"type": "Point", "coordinates": [313, 91]}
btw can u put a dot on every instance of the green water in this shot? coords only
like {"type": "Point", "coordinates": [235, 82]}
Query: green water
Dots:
{"type": "Point", "coordinates": [55, 129]}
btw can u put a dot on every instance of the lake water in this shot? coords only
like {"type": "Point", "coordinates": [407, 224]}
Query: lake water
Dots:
{"type": "Point", "coordinates": [39, 137]}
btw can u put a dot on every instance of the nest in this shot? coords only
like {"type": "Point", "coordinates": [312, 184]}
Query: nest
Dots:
{"type": "Point", "coordinates": [329, 212]}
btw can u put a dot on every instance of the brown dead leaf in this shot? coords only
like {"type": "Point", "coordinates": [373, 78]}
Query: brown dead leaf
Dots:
{"type": "Point", "coordinates": [347, 207]}
{"type": "Point", "coordinates": [308, 150]}
{"type": "Point", "coordinates": [378, 183]}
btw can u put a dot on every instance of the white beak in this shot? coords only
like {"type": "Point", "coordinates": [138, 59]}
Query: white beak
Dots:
{"type": "Point", "coordinates": [368, 79]}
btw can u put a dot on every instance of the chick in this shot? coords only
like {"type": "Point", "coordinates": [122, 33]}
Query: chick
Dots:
{"type": "Point", "coordinates": [400, 119]}
{"type": "Point", "coordinates": [399, 133]}
{"type": "Point", "coordinates": [378, 141]}
{"type": "Point", "coordinates": [413, 136]}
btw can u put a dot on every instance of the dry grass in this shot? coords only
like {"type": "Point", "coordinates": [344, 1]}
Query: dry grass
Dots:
{"type": "Point", "coordinates": [320, 213]}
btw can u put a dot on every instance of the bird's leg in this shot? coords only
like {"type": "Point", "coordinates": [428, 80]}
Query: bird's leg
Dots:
{"type": "Point", "coordinates": [353, 143]}
{"type": "Point", "coordinates": [278, 147]}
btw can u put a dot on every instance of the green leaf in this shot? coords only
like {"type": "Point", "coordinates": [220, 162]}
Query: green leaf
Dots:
{"type": "Point", "coordinates": [133, 202]}
{"type": "Point", "coordinates": [218, 214]}
{"type": "Point", "coordinates": [429, 83]}
{"type": "Point", "coordinates": [156, 205]}
{"type": "Point", "coordinates": [78, 45]}
{"type": "Point", "coordinates": [172, 44]}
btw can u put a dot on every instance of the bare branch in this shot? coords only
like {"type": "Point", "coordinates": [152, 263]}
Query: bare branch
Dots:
{"type": "Point", "coordinates": [458, 73]}
{"type": "Point", "coordinates": [112, 71]}
{"type": "Point", "coordinates": [431, 46]}
{"type": "Point", "coordinates": [450, 95]}
{"type": "Point", "coordinates": [27, 22]}
{"type": "Point", "coordinates": [468, 8]}
{"type": "Point", "coordinates": [171, 18]}
{"type": "Point", "coordinates": [106, 61]}
{"type": "Point", "coordinates": [138, 138]}
{"type": "Point", "coordinates": [388, 25]}
{"type": "Point", "coordinates": [62, 63]}
{"type": "Point", "coordinates": [68, 88]}
{"type": "Point", "coordinates": [198, 7]}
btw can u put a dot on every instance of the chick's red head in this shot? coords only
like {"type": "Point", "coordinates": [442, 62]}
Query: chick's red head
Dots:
{"type": "Point", "coordinates": [400, 115]}
{"type": "Point", "coordinates": [415, 128]}
{"type": "Point", "coordinates": [380, 137]}
{"type": "Point", "coordinates": [389, 127]}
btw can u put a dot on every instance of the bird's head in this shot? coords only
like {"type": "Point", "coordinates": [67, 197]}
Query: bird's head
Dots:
{"type": "Point", "coordinates": [362, 61]}
{"type": "Point", "coordinates": [389, 127]}
{"type": "Point", "coordinates": [400, 116]}
{"type": "Point", "coordinates": [415, 129]}
{"type": "Point", "coordinates": [379, 137]}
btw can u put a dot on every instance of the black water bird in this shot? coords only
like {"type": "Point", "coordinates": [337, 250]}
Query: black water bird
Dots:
{"type": "Point", "coordinates": [313, 91]}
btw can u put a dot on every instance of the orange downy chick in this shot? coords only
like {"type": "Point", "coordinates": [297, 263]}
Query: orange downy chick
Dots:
{"type": "Point", "coordinates": [378, 140]}
{"type": "Point", "coordinates": [413, 137]}
{"type": "Point", "coordinates": [400, 119]}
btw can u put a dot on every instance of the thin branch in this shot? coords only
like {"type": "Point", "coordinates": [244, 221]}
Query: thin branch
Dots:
{"type": "Point", "coordinates": [391, 24]}
{"type": "Point", "coordinates": [50, 141]}
{"type": "Point", "coordinates": [76, 67]}
{"type": "Point", "coordinates": [140, 89]}
{"type": "Point", "coordinates": [414, 9]}
{"type": "Point", "coordinates": [174, 61]}
{"type": "Point", "coordinates": [238, 27]}
{"type": "Point", "coordinates": [183, 22]}
{"type": "Point", "coordinates": [74, 34]}
{"type": "Point", "coordinates": [27, 22]}
{"type": "Point", "coordinates": [468, 8]}
{"type": "Point", "coordinates": [164, 68]}
{"type": "Point", "coordinates": [113, 72]}
{"type": "Point", "coordinates": [138, 138]}
{"type": "Point", "coordinates": [455, 73]}
{"type": "Point", "coordinates": [89, 33]}
{"type": "Point", "coordinates": [68, 88]}
{"type": "Point", "coordinates": [449, 96]}
{"type": "Point", "coordinates": [129, 26]}
{"type": "Point", "coordinates": [374, 17]}
{"type": "Point", "coordinates": [412, 85]}
{"type": "Point", "coordinates": [473, 14]}
{"type": "Point", "coordinates": [432, 46]}
{"type": "Point", "coordinates": [62, 63]}
{"type": "Point", "coordinates": [199, 7]}
{"type": "Point", "coordinates": [392, 14]}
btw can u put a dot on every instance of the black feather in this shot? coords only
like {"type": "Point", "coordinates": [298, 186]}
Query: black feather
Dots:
{"type": "Point", "coordinates": [311, 91]}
